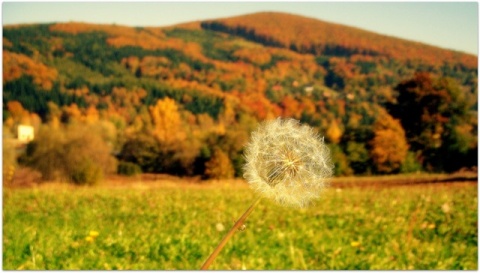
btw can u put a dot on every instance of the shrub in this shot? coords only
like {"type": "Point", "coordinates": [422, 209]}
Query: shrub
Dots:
{"type": "Point", "coordinates": [141, 150]}
{"type": "Point", "coordinates": [357, 155]}
{"type": "Point", "coordinates": [86, 173]}
{"type": "Point", "coordinates": [74, 154]}
{"type": "Point", "coordinates": [342, 167]}
{"type": "Point", "coordinates": [45, 154]}
{"type": "Point", "coordinates": [128, 168]}
{"type": "Point", "coordinates": [411, 164]}
{"type": "Point", "coordinates": [9, 158]}
{"type": "Point", "coordinates": [219, 166]}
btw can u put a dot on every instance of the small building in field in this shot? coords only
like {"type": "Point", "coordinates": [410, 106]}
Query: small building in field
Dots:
{"type": "Point", "coordinates": [25, 133]}
{"type": "Point", "coordinates": [308, 89]}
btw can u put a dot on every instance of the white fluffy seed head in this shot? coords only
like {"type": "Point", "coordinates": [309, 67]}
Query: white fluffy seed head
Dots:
{"type": "Point", "coordinates": [287, 162]}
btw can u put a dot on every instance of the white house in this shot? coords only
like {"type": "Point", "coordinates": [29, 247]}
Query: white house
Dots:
{"type": "Point", "coordinates": [25, 133]}
{"type": "Point", "coordinates": [308, 89]}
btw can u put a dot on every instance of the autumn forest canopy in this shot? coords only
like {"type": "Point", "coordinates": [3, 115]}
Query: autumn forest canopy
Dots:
{"type": "Point", "coordinates": [183, 99]}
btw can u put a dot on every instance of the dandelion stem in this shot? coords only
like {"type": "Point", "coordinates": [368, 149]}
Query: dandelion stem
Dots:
{"type": "Point", "coordinates": [230, 233]}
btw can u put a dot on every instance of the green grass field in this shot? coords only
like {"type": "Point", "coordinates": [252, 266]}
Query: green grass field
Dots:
{"type": "Point", "coordinates": [150, 226]}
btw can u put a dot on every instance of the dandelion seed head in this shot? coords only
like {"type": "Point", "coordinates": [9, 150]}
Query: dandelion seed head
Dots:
{"type": "Point", "coordinates": [287, 162]}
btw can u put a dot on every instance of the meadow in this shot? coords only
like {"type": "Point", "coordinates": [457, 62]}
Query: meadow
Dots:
{"type": "Point", "coordinates": [176, 224]}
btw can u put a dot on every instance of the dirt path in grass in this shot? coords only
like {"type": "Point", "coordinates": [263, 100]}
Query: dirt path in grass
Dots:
{"type": "Point", "coordinates": [410, 180]}
{"type": "Point", "coordinates": [151, 181]}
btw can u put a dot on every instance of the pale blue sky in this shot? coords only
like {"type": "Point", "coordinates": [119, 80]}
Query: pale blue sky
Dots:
{"type": "Point", "coordinates": [452, 25]}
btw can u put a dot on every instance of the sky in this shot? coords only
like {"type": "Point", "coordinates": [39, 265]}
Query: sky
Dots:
{"type": "Point", "coordinates": [450, 25]}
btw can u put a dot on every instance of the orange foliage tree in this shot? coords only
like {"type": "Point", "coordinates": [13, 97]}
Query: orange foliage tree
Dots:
{"type": "Point", "coordinates": [219, 166]}
{"type": "Point", "coordinates": [167, 122]}
{"type": "Point", "coordinates": [389, 145]}
{"type": "Point", "coordinates": [15, 65]}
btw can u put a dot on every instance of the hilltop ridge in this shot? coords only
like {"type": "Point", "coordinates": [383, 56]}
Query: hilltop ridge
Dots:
{"type": "Point", "coordinates": [309, 35]}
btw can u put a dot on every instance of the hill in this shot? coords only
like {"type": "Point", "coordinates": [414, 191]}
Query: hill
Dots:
{"type": "Point", "coordinates": [172, 99]}
{"type": "Point", "coordinates": [307, 35]}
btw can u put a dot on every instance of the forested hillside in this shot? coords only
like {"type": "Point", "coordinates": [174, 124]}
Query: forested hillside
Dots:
{"type": "Point", "coordinates": [183, 99]}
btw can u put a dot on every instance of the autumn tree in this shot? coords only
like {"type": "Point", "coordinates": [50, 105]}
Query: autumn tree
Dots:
{"type": "Point", "coordinates": [16, 111]}
{"type": "Point", "coordinates": [168, 127]}
{"type": "Point", "coordinates": [290, 107]}
{"type": "Point", "coordinates": [54, 114]}
{"type": "Point", "coordinates": [340, 160]}
{"type": "Point", "coordinates": [233, 142]}
{"type": "Point", "coordinates": [71, 114]}
{"type": "Point", "coordinates": [177, 150]}
{"type": "Point", "coordinates": [334, 132]}
{"type": "Point", "coordinates": [438, 119]}
{"type": "Point", "coordinates": [219, 166]}
{"type": "Point", "coordinates": [389, 146]}
{"type": "Point", "coordinates": [358, 156]}
{"type": "Point", "coordinates": [17, 115]}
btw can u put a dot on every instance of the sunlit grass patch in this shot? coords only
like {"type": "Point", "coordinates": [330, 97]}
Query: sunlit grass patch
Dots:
{"type": "Point", "coordinates": [155, 227]}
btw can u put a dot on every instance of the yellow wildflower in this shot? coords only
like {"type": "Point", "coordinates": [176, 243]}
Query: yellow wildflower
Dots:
{"type": "Point", "coordinates": [337, 251]}
{"type": "Point", "coordinates": [93, 234]}
{"type": "Point", "coordinates": [89, 239]}
{"type": "Point", "coordinates": [355, 244]}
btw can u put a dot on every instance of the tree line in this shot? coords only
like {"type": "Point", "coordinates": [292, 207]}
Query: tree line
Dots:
{"type": "Point", "coordinates": [188, 108]}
